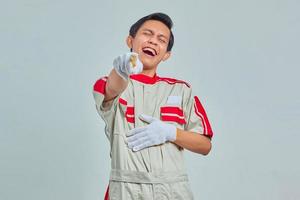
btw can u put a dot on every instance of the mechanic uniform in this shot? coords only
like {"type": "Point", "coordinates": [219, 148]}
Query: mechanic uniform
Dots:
{"type": "Point", "coordinates": [156, 172]}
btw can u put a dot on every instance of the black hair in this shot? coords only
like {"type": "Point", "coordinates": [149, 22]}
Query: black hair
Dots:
{"type": "Point", "coordinates": [165, 19]}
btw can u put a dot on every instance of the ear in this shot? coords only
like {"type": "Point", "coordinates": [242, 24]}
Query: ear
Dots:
{"type": "Point", "coordinates": [166, 56]}
{"type": "Point", "coordinates": [129, 41]}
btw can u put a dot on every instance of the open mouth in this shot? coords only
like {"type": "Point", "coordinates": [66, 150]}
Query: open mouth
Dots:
{"type": "Point", "coordinates": [149, 51]}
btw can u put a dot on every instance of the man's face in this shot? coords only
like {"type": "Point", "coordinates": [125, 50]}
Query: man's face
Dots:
{"type": "Point", "coordinates": [151, 42]}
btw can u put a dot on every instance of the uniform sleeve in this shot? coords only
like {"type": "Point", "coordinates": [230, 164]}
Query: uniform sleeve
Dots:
{"type": "Point", "coordinates": [107, 110]}
{"type": "Point", "coordinates": [197, 120]}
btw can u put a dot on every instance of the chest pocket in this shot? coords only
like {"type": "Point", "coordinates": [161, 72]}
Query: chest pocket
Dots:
{"type": "Point", "coordinates": [172, 111]}
{"type": "Point", "coordinates": [127, 109]}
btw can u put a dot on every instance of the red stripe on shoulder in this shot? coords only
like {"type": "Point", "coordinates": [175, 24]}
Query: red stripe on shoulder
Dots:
{"type": "Point", "coordinates": [173, 81]}
{"type": "Point", "coordinates": [199, 110]}
{"type": "Point", "coordinates": [100, 84]}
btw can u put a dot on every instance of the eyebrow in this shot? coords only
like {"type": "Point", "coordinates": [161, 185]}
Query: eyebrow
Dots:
{"type": "Point", "coordinates": [160, 35]}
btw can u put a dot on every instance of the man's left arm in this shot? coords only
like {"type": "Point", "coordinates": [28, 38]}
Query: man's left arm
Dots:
{"type": "Point", "coordinates": [158, 132]}
{"type": "Point", "coordinates": [197, 132]}
{"type": "Point", "coordinates": [192, 141]}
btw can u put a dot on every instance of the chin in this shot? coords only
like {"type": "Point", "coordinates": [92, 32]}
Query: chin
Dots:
{"type": "Point", "coordinates": [148, 64]}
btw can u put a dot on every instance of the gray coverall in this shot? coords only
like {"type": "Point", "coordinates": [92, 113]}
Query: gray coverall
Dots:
{"type": "Point", "coordinates": [157, 172]}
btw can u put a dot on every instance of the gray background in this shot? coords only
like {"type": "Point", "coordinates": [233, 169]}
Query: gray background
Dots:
{"type": "Point", "coordinates": [241, 57]}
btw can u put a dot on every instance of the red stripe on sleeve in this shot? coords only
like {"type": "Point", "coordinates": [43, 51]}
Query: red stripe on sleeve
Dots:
{"type": "Point", "coordinates": [100, 84]}
{"type": "Point", "coordinates": [106, 197]}
{"type": "Point", "coordinates": [199, 110]}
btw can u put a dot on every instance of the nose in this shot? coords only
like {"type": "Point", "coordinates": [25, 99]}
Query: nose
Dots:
{"type": "Point", "coordinates": [152, 40]}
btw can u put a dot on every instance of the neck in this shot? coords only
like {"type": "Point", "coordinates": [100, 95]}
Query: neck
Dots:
{"type": "Point", "coordinates": [149, 72]}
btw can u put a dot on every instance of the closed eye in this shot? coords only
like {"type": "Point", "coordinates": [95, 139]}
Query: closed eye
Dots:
{"type": "Point", "coordinates": [147, 32]}
{"type": "Point", "coordinates": [161, 40]}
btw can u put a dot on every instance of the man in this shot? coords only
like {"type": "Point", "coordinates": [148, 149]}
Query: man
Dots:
{"type": "Point", "coordinates": [150, 120]}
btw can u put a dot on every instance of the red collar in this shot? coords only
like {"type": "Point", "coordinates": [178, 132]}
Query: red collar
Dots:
{"type": "Point", "coordinates": [144, 78]}
{"type": "Point", "coordinates": [152, 80]}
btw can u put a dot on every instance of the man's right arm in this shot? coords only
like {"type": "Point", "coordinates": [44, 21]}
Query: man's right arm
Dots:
{"type": "Point", "coordinates": [115, 85]}
{"type": "Point", "coordinates": [117, 80]}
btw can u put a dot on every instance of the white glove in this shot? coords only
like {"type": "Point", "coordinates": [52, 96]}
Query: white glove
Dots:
{"type": "Point", "coordinates": [157, 132]}
{"type": "Point", "coordinates": [127, 64]}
